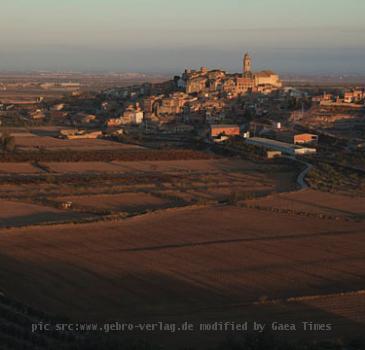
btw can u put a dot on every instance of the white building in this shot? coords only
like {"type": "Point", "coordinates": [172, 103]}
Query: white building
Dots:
{"type": "Point", "coordinates": [133, 115]}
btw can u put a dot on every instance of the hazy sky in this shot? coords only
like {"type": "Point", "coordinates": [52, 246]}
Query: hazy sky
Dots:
{"type": "Point", "coordinates": [169, 35]}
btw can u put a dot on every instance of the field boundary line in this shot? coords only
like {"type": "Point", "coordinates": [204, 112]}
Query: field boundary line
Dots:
{"type": "Point", "coordinates": [109, 218]}
{"type": "Point", "coordinates": [359, 292]}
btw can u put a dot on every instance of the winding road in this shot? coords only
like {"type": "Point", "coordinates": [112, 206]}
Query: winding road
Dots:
{"type": "Point", "coordinates": [301, 177]}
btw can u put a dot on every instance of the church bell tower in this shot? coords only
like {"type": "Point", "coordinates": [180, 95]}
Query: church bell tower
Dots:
{"type": "Point", "coordinates": [247, 64]}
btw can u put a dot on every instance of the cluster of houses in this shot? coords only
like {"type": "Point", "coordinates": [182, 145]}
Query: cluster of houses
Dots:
{"type": "Point", "coordinates": [207, 96]}
{"type": "Point", "coordinates": [303, 144]}
{"type": "Point", "coordinates": [133, 115]}
{"type": "Point", "coordinates": [353, 97]}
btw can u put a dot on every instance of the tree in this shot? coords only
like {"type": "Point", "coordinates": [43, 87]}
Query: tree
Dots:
{"type": "Point", "coordinates": [7, 142]}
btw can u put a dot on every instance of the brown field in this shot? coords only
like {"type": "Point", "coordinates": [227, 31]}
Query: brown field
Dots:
{"type": "Point", "coordinates": [82, 167]}
{"type": "Point", "coordinates": [221, 257]}
{"type": "Point", "coordinates": [209, 166]}
{"type": "Point", "coordinates": [315, 202]}
{"type": "Point", "coordinates": [28, 96]}
{"type": "Point", "coordinates": [135, 187]}
{"type": "Point", "coordinates": [19, 214]}
{"type": "Point", "coordinates": [18, 168]}
{"type": "Point", "coordinates": [32, 141]}
{"type": "Point", "coordinates": [205, 263]}
{"type": "Point", "coordinates": [129, 202]}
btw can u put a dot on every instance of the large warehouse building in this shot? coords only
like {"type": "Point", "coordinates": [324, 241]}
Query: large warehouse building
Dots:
{"type": "Point", "coordinates": [283, 147]}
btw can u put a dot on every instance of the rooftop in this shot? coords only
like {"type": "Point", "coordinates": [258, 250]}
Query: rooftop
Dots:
{"type": "Point", "coordinates": [273, 142]}
{"type": "Point", "coordinates": [265, 73]}
{"type": "Point", "coordinates": [220, 126]}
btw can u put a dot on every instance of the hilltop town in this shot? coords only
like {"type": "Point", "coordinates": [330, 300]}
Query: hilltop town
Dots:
{"type": "Point", "coordinates": [198, 106]}
{"type": "Point", "coordinates": [198, 97]}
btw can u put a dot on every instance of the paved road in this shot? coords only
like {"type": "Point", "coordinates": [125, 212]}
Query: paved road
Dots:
{"type": "Point", "coordinates": [301, 177]}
